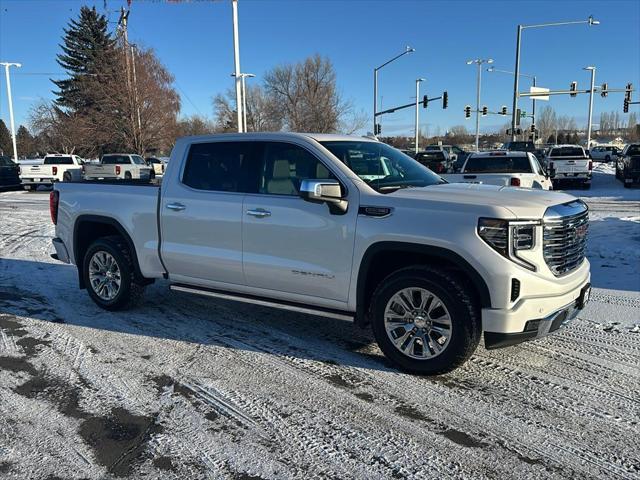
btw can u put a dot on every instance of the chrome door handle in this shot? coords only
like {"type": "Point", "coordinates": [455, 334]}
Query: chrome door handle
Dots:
{"type": "Point", "coordinates": [259, 212]}
{"type": "Point", "coordinates": [175, 206]}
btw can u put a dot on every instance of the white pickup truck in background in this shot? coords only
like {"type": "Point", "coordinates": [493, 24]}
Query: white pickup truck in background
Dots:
{"type": "Point", "coordinates": [54, 168]}
{"type": "Point", "coordinates": [569, 163]}
{"type": "Point", "coordinates": [502, 168]}
{"type": "Point", "coordinates": [118, 166]}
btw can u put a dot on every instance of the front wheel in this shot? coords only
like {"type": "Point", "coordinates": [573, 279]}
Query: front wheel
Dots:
{"type": "Point", "coordinates": [425, 320]}
{"type": "Point", "coordinates": [109, 274]}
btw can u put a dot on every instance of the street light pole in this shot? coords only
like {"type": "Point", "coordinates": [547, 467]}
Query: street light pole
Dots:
{"type": "Point", "coordinates": [479, 62]}
{"type": "Point", "coordinates": [407, 50]}
{"type": "Point", "coordinates": [593, 81]}
{"type": "Point", "coordinates": [418, 81]}
{"type": "Point", "coordinates": [243, 76]}
{"type": "Point", "coordinates": [236, 57]}
{"type": "Point", "coordinates": [13, 126]}
{"type": "Point", "coordinates": [590, 21]}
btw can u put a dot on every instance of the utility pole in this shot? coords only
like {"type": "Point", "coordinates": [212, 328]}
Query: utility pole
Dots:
{"type": "Point", "coordinates": [593, 82]}
{"type": "Point", "coordinates": [418, 81]}
{"type": "Point", "coordinates": [135, 96]}
{"type": "Point", "coordinates": [236, 57]}
{"type": "Point", "coordinates": [11, 121]}
{"type": "Point", "coordinates": [478, 62]}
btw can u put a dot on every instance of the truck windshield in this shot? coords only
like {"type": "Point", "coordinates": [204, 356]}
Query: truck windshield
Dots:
{"type": "Point", "coordinates": [633, 150]}
{"type": "Point", "coordinates": [382, 167]}
{"type": "Point", "coordinates": [567, 152]}
{"type": "Point", "coordinates": [58, 161]}
{"type": "Point", "coordinates": [502, 164]}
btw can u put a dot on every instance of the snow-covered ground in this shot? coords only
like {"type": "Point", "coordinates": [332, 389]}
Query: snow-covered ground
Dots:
{"type": "Point", "coordinates": [186, 387]}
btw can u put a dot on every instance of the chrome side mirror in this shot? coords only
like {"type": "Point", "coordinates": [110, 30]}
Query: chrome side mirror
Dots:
{"type": "Point", "coordinates": [324, 191]}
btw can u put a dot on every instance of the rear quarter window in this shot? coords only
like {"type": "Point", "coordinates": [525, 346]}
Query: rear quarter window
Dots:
{"type": "Point", "coordinates": [218, 166]}
{"type": "Point", "coordinates": [502, 164]}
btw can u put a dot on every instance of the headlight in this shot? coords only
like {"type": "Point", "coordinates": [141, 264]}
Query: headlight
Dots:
{"type": "Point", "coordinates": [508, 238]}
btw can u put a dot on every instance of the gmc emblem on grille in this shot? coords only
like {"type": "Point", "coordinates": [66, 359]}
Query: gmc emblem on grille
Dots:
{"type": "Point", "coordinates": [581, 231]}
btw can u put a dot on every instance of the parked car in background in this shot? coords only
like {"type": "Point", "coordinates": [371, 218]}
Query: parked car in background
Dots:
{"type": "Point", "coordinates": [436, 160]}
{"type": "Point", "coordinates": [55, 167]}
{"type": "Point", "coordinates": [569, 164]}
{"type": "Point", "coordinates": [123, 166]}
{"type": "Point", "coordinates": [9, 173]}
{"type": "Point", "coordinates": [628, 164]}
{"type": "Point", "coordinates": [158, 164]}
{"type": "Point", "coordinates": [284, 220]}
{"type": "Point", "coordinates": [514, 169]}
{"type": "Point", "coordinates": [604, 153]}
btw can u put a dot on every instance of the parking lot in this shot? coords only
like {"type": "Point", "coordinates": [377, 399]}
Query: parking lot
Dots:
{"type": "Point", "coordinates": [183, 387]}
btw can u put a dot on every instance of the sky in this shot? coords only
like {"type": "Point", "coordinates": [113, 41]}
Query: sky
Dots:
{"type": "Point", "coordinates": [194, 41]}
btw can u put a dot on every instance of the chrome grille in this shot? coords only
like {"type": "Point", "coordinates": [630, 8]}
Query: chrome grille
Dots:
{"type": "Point", "coordinates": [565, 237]}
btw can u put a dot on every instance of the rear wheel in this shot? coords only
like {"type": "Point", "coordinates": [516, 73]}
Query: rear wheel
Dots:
{"type": "Point", "coordinates": [66, 177]}
{"type": "Point", "coordinates": [127, 175]}
{"type": "Point", "coordinates": [109, 274]}
{"type": "Point", "coordinates": [425, 320]}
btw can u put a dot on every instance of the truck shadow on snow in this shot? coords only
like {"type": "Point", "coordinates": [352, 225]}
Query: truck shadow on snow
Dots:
{"type": "Point", "coordinates": [49, 292]}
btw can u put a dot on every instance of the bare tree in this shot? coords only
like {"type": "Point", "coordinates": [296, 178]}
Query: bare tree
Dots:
{"type": "Point", "coordinates": [547, 122]}
{"type": "Point", "coordinates": [195, 125]}
{"type": "Point", "coordinates": [306, 95]}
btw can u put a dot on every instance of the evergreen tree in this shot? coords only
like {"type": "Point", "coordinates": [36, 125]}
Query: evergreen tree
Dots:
{"type": "Point", "coordinates": [25, 142]}
{"type": "Point", "coordinates": [89, 57]}
{"type": "Point", "coordinates": [5, 140]}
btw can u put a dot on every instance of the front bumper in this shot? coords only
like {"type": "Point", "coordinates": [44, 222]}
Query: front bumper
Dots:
{"type": "Point", "coordinates": [519, 325]}
{"type": "Point", "coordinates": [61, 251]}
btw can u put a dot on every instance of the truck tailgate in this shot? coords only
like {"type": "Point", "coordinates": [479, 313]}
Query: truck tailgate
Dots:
{"type": "Point", "coordinates": [133, 208]}
{"type": "Point", "coordinates": [103, 171]}
{"type": "Point", "coordinates": [500, 179]}
{"type": "Point", "coordinates": [36, 171]}
{"type": "Point", "coordinates": [570, 165]}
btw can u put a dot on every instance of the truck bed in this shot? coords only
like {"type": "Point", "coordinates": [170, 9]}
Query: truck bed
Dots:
{"type": "Point", "coordinates": [133, 205]}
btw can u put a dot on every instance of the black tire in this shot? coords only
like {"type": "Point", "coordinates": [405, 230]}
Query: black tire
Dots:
{"type": "Point", "coordinates": [130, 290]}
{"type": "Point", "coordinates": [127, 175]}
{"type": "Point", "coordinates": [66, 177]}
{"type": "Point", "coordinates": [586, 185]}
{"type": "Point", "coordinates": [152, 174]}
{"type": "Point", "coordinates": [607, 158]}
{"type": "Point", "coordinates": [463, 310]}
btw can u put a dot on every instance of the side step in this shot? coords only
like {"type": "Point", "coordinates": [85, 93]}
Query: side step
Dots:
{"type": "Point", "coordinates": [265, 302]}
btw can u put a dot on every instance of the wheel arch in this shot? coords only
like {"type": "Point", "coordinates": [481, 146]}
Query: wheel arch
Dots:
{"type": "Point", "coordinates": [88, 228]}
{"type": "Point", "coordinates": [375, 266]}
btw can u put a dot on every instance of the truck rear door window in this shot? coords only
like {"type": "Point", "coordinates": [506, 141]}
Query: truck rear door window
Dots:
{"type": "Point", "coordinates": [116, 160]}
{"type": "Point", "coordinates": [567, 152]}
{"type": "Point", "coordinates": [58, 161]}
{"type": "Point", "coordinates": [502, 164]}
{"type": "Point", "coordinates": [218, 166]}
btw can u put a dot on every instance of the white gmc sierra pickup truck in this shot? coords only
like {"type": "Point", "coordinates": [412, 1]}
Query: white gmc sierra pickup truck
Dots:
{"type": "Point", "coordinates": [283, 220]}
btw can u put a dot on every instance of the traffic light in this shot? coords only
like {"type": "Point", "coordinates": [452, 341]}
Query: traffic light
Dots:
{"type": "Point", "coordinates": [485, 110]}
{"type": "Point", "coordinates": [573, 87]}
{"type": "Point", "coordinates": [533, 128]}
{"type": "Point", "coordinates": [378, 129]}
{"type": "Point", "coordinates": [467, 111]}
{"type": "Point", "coordinates": [625, 108]}
{"type": "Point", "coordinates": [425, 101]}
{"type": "Point", "coordinates": [445, 100]}
{"type": "Point", "coordinates": [627, 93]}
{"type": "Point", "coordinates": [503, 110]}
{"type": "Point", "coordinates": [603, 90]}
